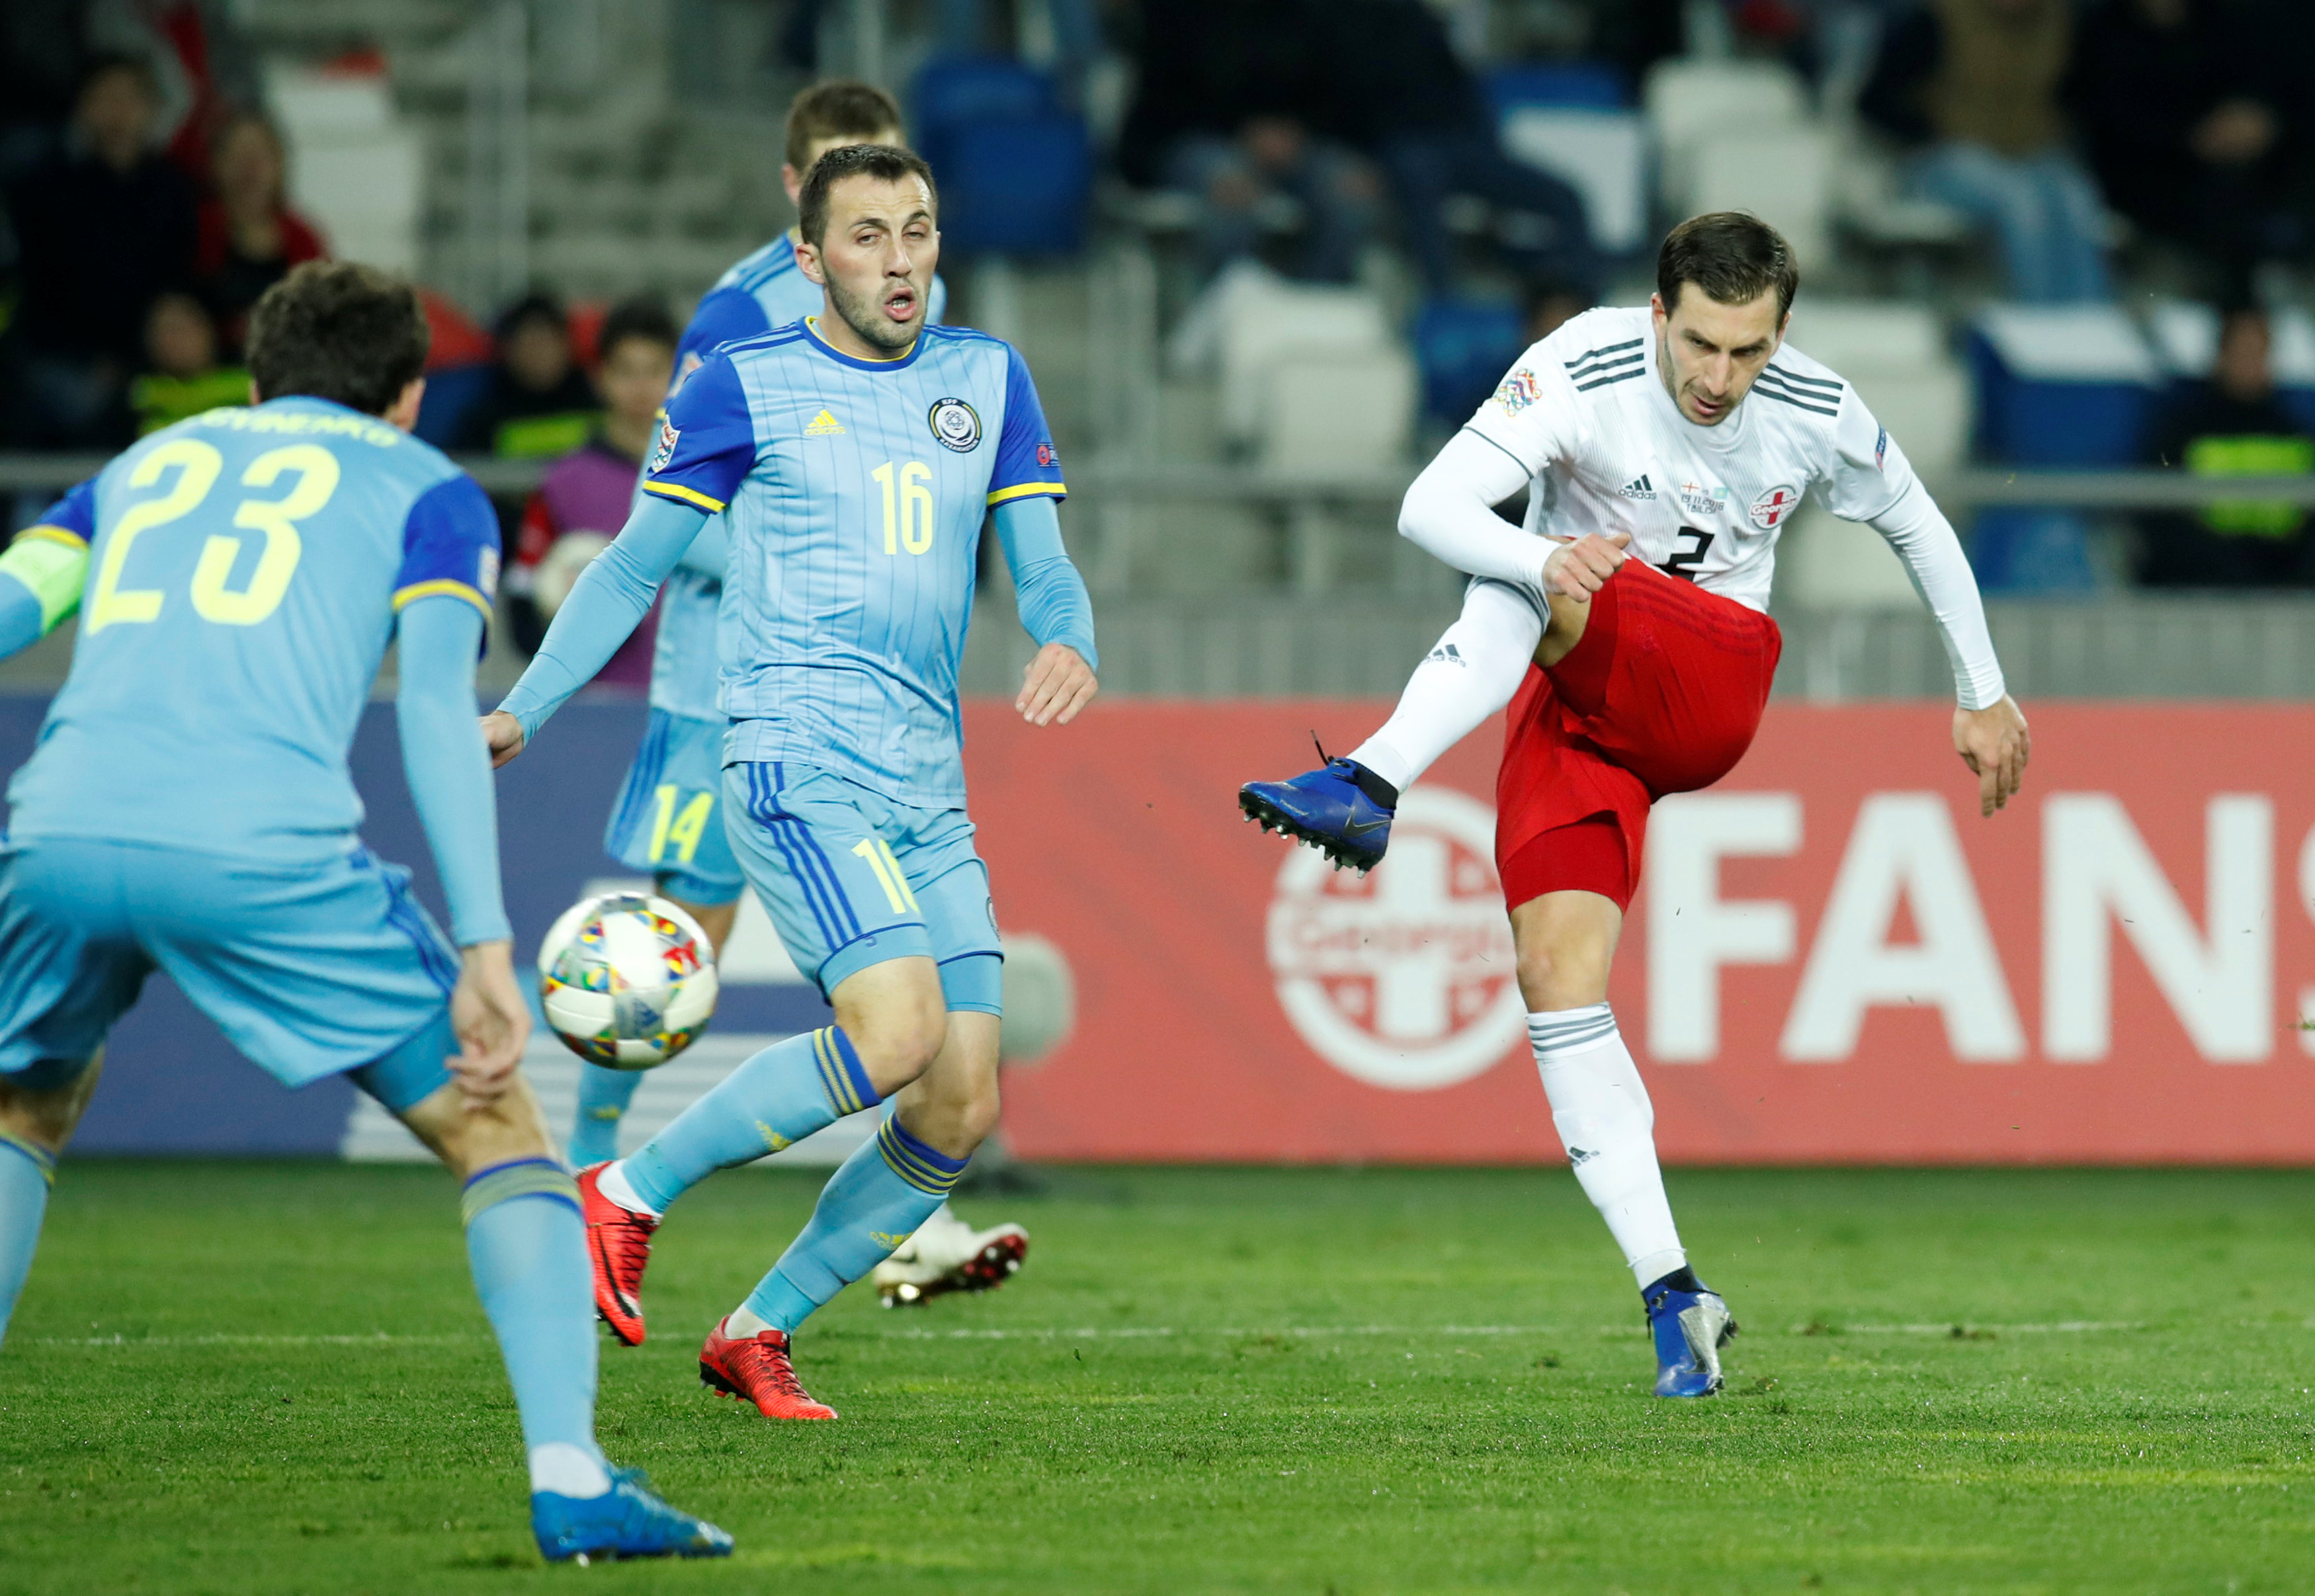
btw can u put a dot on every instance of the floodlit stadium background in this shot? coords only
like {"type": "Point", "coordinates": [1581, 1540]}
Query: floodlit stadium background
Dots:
{"type": "Point", "coordinates": [1834, 959]}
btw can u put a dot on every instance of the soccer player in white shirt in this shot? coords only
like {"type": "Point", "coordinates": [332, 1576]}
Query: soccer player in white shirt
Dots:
{"type": "Point", "coordinates": [1664, 449]}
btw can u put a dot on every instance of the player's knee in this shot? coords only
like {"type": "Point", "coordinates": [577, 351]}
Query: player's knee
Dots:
{"type": "Point", "coordinates": [469, 1138]}
{"type": "Point", "coordinates": [1565, 970]}
{"type": "Point", "coordinates": [898, 1038]}
{"type": "Point", "coordinates": [955, 1118]}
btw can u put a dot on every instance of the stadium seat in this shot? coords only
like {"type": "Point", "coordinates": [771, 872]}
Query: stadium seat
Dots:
{"type": "Point", "coordinates": [1588, 85]}
{"type": "Point", "coordinates": [448, 393]}
{"type": "Point", "coordinates": [359, 169]}
{"type": "Point", "coordinates": [2062, 385]}
{"type": "Point", "coordinates": [1313, 379]}
{"type": "Point", "coordinates": [1781, 173]}
{"type": "Point", "coordinates": [1016, 170]}
{"type": "Point", "coordinates": [1464, 347]}
{"type": "Point", "coordinates": [2058, 385]}
{"type": "Point", "coordinates": [1692, 104]}
{"type": "Point", "coordinates": [1603, 154]}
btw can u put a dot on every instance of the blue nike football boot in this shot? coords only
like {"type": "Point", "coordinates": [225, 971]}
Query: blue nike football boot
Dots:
{"type": "Point", "coordinates": [1342, 809]}
{"type": "Point", "coordinates": [626, 1521]}
{"type": "Point", "coordinates": [1690, 1324]}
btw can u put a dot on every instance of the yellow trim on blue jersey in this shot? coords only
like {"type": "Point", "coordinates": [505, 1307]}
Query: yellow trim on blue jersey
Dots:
{"type": "Point", "coordinates": [690, 495]}
{"type": "Point", "coordinates": [48, 534]}
{"type": "Point", "coordinates": [444, 585]}
{"type": "Point", "coordinates": [1029, 491]}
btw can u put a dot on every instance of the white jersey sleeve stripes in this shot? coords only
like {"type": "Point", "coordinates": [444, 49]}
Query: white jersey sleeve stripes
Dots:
{"type": "Point", "coordinates": [1586, 415]}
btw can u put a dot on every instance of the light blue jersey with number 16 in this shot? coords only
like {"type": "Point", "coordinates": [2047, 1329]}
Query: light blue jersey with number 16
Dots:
{"type": "Point", "coordinates": [855, 493]}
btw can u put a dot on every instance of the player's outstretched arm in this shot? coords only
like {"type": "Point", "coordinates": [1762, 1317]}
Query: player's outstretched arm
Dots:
{"type": "Point", "coordinates": [450, 777]}
{"type": "Point", "coordinates": [1055, 609]}
{"type": "Point", "coordinates": [606, 603]}
{"type": "Point", "coordinates": [1989, 728]}
{"type": "Point", "coordinates": [1448, 512]}
{"type": "Point", "coordinates": [47, 566]}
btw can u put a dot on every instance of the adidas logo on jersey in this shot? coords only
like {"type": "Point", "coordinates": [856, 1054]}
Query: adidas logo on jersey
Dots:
{"type": "Point", "coordinates": [1639, 487]}
{"type": "Point", "coordinates": [1447, 653]}
{"type": "Point", "coordinates": [823, 425]}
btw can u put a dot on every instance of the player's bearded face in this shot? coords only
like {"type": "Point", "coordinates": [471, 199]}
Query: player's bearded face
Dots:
{"type": "Point", "coordinates": [1709, 352]}
{"type": "Point", "coordinates": [879, 255]}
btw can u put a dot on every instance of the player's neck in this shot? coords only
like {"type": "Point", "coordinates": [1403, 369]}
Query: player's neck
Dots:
{"type": "Point", "coordinates": [837, 334]}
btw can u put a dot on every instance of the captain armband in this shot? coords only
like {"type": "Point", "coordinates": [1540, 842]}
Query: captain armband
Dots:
{"type": "Point", "coordinates": [53, 565]}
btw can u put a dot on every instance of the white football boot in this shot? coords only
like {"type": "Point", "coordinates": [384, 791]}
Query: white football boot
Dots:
{"type": "Point", "coordinates": [947, 1254]}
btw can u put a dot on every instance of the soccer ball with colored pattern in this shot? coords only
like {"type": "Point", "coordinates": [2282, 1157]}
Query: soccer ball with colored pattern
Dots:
{"type": "Point", "coordinates": [627, 980]}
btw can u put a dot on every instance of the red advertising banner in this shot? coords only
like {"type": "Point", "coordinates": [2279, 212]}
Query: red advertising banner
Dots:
{"type": "Point", "coordinates": [1833, 959]}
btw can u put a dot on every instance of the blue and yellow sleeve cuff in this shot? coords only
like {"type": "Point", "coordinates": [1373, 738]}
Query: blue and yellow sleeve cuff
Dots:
{"type": "Point", "coordinates": [444, 586]}
{"type": "Point", "coordinates": [683, 495]}
{"type": "Point", "coordinates": [1027, 490]}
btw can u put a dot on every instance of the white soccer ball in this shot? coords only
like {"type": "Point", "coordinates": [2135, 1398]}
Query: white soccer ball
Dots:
{"type": "Point", "coordinates": [627, 980]}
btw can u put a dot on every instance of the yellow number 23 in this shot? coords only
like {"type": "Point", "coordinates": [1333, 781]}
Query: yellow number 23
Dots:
{"type": "Point", "coordinates": [198, 465]}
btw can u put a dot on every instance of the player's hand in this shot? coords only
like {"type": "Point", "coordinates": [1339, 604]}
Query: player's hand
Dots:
{"type": "Point", "coordinates": [502, 735]}
{"type": "Point", "coordinates": [1057, 685]}
{"type": "Point", "coordinates": [1582, 568]}
{"type": "Point", "coordinates": [1993, 743]}
{"type": "Point", "coordinates": [491, 1021]}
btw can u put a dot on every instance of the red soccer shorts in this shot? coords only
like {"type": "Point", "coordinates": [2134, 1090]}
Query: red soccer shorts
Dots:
{"type": "Point", "coordinates": [1663, 694]}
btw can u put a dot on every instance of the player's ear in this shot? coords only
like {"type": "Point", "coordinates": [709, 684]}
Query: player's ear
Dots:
{"type": "Point", "coordinates": [808, 261]}
{"type": "Point", "coordinates": [403, 414]}
{"type": "Point", "coordinates": [792, 181]}
{"type": "Point", "coordinates": [255, 398]}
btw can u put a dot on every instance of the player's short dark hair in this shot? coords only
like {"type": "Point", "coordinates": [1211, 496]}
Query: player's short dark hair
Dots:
{"type": "Point", "coordinates": [883, 161]}
{"type": "Point", "coordinates": [840, 107]}
{"type": "Point", "coordinates": [334, 330]}
{"type": "Point", "coordinates": [641, 317]}
{"type": "Point", "coordinates": [1733, 255]}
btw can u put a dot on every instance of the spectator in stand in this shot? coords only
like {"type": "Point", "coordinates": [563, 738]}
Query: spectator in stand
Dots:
{"type": "Point", "coordinates": [1548, 305]}
{"type": "Point", "coordinates": [249, 237]}
{"type": "Point", "coordinates": [103, 228]}
{"type": "Point", "coordinates": [2234, 427]}
{"type": "Point", "coordinates": [1407, 101]}
{"type": "Point", "coordinates": [1973, 86]}
{"type": "Point", "coordinates": [583, 501]}
{"type": "Point", "coordinates": [183, 375]}
{"type": "Point", "coordinates": [2189, 128]}
{"type": "Point", "coordinates": [540, 402]}
{"type": "Point", "coordinates": [1233, 101]}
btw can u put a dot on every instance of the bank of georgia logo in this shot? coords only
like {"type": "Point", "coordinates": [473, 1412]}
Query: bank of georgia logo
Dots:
{"type": "Point", "coordinates": [1403, 979]}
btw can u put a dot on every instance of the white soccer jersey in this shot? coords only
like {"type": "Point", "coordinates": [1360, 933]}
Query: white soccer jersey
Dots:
{"type": "Point", "coordinates": [1587, 413]}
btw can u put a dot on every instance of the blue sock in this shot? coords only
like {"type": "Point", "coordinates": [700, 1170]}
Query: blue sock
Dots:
{"type": "Point", "coordinates": [26, 1172]}
{"type": "Point", "coordinates": [888, 1187]}
{"type": "Point", "coordinates": [778, 1097]}
{"type": "Point", "coordinates": [603, 1098]}
{"type": "Point", "coordinates": [527, 1248]}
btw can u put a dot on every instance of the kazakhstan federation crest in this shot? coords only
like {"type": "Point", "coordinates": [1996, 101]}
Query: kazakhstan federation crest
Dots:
{"type": "Point", "coordinates": [957, 425]}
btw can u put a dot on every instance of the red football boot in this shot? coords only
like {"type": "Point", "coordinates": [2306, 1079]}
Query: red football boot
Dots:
{"type": "Point", "coordinates": [618, 1245]}
{"type": "Point", "coordinates": [757, 1370]}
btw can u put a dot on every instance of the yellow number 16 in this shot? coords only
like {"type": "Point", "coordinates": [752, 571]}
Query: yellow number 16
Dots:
{"type": "Point", "coordinates": [908, 523]}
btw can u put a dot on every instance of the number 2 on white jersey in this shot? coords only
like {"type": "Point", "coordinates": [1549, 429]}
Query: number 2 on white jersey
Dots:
{"type": "Point", "coordinates": [908, 522]}
{"type": "Point", "coordinates": [198, 465]}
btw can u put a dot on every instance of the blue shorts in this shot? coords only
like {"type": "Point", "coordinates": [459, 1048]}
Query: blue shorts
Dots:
{"type": "Point", "coordinates": [668, 820]}
{"type": "Point", "coordinates": [309, 969]}
{"type": "Point", "coordinates": [852, 880]}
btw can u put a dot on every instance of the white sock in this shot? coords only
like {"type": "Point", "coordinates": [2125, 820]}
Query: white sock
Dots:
{"type": "Point", "coordinates": [1608, 1127]}
{"type": "Point", "coordinates": [1475, 670]}
{"type": "Point", "coordinates": [613, 1184]}
{"type": "Point", "coordinates": [568, 1470]}
{"type": "Point", "coordinates": [740, 1324]}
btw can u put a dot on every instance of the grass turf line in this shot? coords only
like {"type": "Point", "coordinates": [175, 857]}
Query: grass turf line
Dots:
{"type": "Point", "coordinates": [260, 1378]}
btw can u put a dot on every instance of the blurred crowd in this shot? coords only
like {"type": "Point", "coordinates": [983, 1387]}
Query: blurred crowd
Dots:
{"type": "Point", "coordinates": [143, 196]}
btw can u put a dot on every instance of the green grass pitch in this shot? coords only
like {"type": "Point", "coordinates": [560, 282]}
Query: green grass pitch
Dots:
{"type": "Point", "coordinates": [251, 1378]}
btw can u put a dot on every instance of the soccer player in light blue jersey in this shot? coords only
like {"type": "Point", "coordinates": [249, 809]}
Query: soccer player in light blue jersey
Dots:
{"type": "Point", "coordinates": [668, 817]}
{"type": "Point", "coordinates": [853, 457]}
{"type": "Point", "coordinates": [189, 810]}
